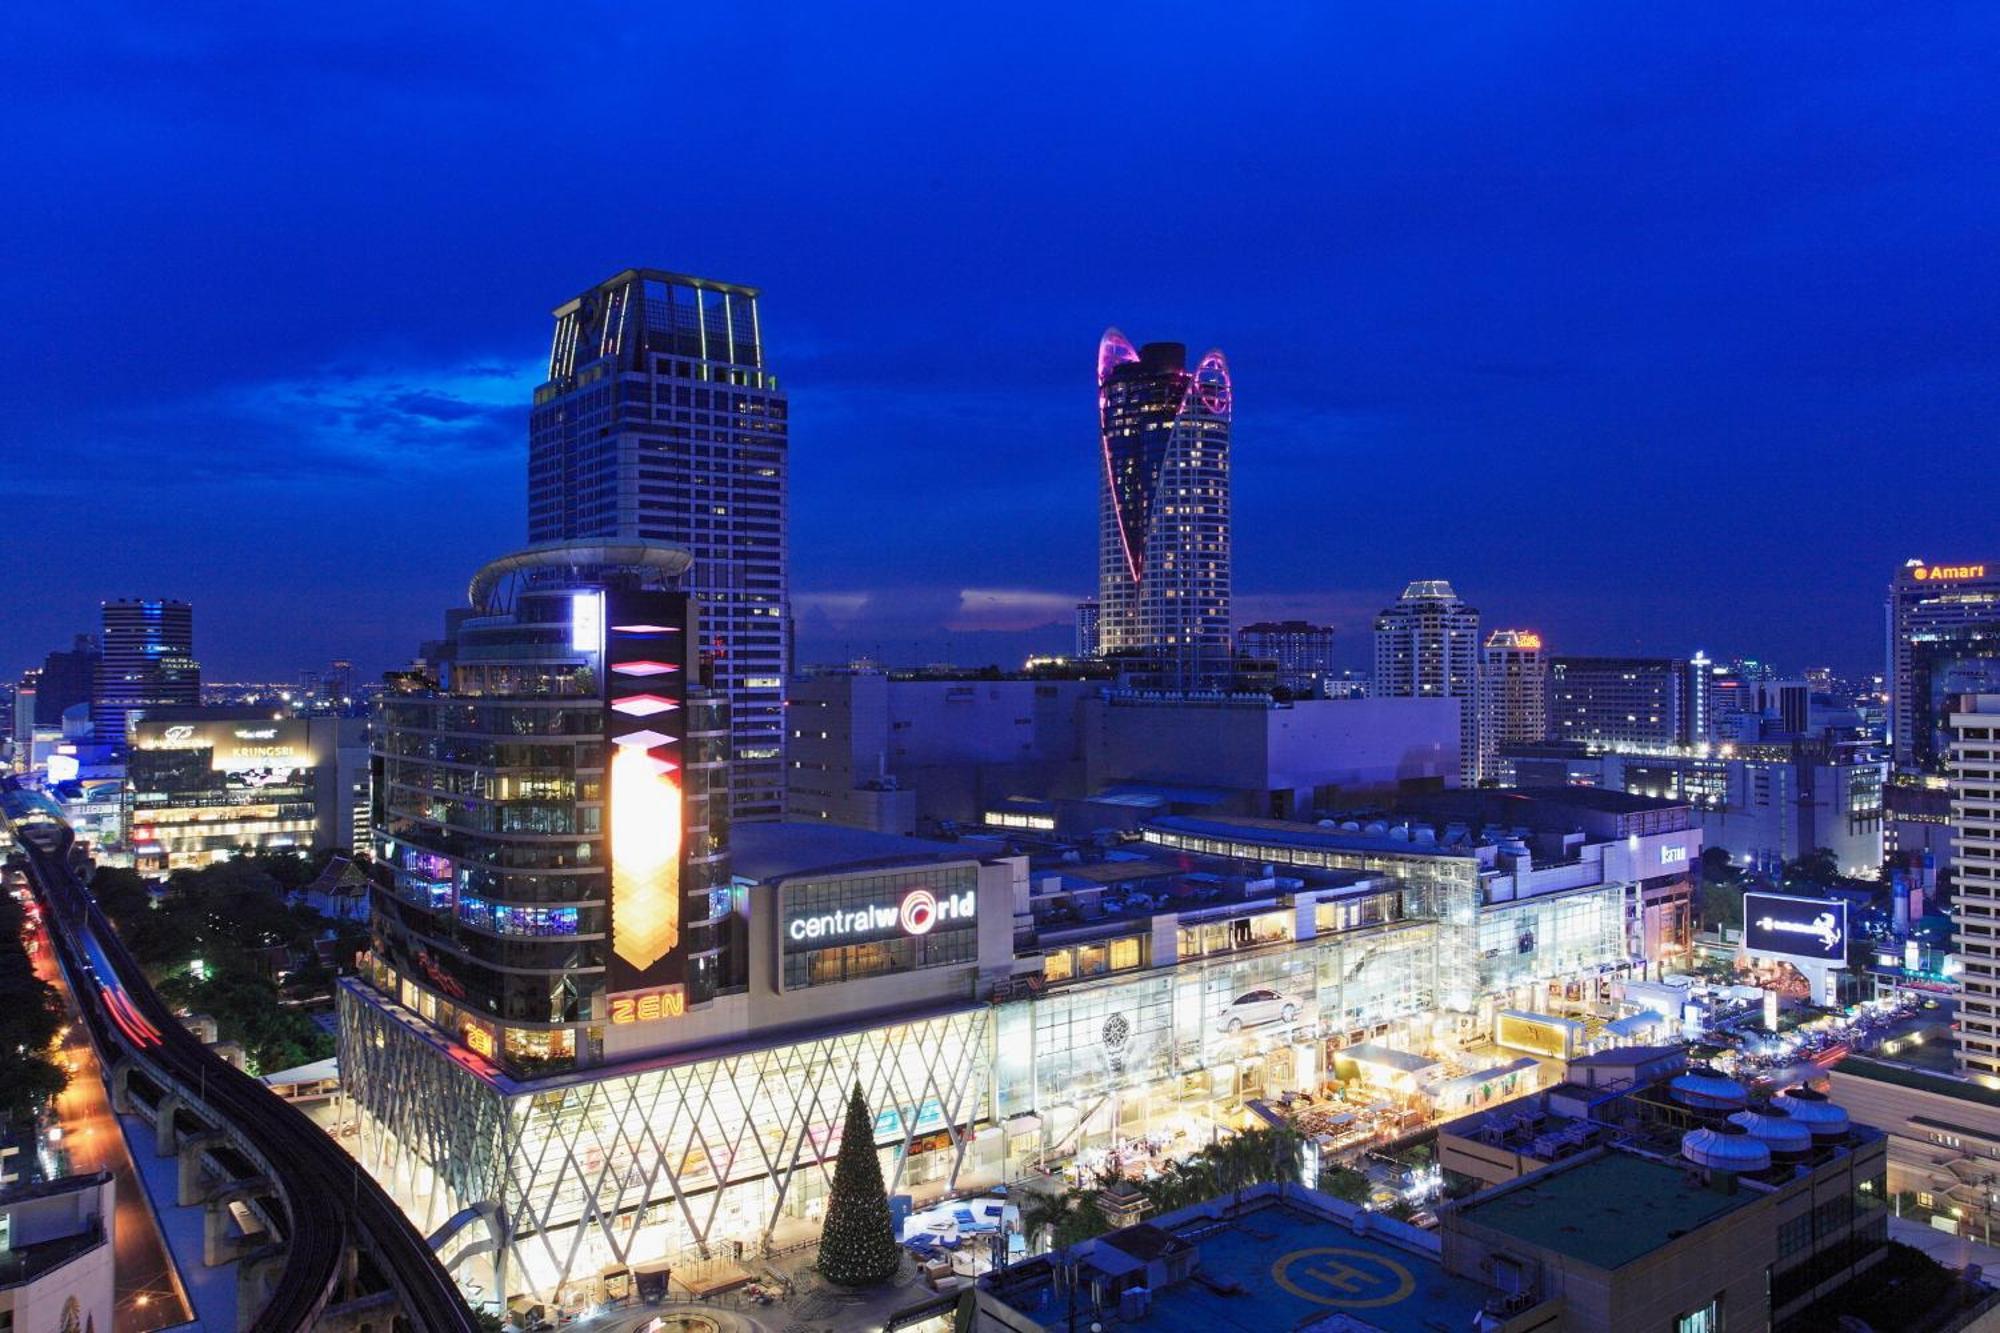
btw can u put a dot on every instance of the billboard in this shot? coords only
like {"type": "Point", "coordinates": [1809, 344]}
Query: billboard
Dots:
{"type": "Point", "coordinates": [1539, 1034]}
{"type": "Point", "coordinates": [1812, 930]}
{"type": "Point", "coordinates": [640, 638]}
{"type": "Point", "coordinates": [238, 745]}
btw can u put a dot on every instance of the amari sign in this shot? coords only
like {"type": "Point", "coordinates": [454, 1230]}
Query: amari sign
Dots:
{"type": "Point", "coordinates": [917, 912]}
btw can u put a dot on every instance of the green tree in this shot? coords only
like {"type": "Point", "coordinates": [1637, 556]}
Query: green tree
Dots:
{"type": "Point", "coordinates": [1819, 868]}
{"type": "Point", "coordinates": [1721, 905]}
{"type": "Point", "coordinates": [857, 1246]}
{"type": "Point", "coordinates": [1716, 867]}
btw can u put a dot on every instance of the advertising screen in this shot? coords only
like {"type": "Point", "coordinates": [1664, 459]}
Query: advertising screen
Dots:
{"type": "Point", "coordinates": [1811, 929]}
{"type": "Point", "coordinates": [644, 656]}
{"type": "Point", "coordinates": [1542, 1034]}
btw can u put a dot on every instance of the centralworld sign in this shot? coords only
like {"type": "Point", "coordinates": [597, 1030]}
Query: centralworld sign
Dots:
{"type": "Point", "coordinates": [916, 913]}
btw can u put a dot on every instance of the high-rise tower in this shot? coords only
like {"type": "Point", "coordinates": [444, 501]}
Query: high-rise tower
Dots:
{"type": "Point", "coordinates": [147, 662]}
{"type": "Point", "coordinates": [1513, 695]}
{"type": "Point", "coordinates": [1163, 527]}
{"type": "Point", "coordinates": [1975, 830]}
{"type": "Point", "coordinates": [1930, 610]}
{"type": "Point", "coordinates": [660, 422]}
{"type": "Point", "coordinates": [1427, 647]}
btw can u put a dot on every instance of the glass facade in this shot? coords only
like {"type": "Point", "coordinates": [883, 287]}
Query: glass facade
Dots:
{"type": "Point", "coordinates": [1164, 537]}
{"type": "Point", "coordinates": [493, 908]}
{"type": "Point", "coordinates": [661, 422]}
{"type": "Point", "coordinates": [671, 1162]}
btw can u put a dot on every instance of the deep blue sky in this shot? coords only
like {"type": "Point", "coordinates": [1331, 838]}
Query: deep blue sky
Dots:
{"type": "Point", "coordinates": [1652, 327]}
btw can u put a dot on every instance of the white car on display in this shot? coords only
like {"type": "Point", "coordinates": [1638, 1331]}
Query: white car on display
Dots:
{"type": "Point", "coordinates": [1254, 1007]}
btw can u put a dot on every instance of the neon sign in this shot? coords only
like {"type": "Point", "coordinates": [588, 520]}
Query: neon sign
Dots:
{"type": "Point", "coordinates": [645, 1006]}
{"type": "Point", "coordinates": [917, 913]}
{"type": "Point", "coordinates": [1935, 573]}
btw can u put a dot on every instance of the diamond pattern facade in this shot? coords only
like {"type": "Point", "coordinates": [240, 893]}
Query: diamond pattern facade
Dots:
{"type": "Point", "coordinates": [655, 1163]}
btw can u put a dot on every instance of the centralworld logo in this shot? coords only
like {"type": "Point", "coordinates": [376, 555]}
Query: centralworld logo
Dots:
{"type": "Point", "coordinates": [919, 911]}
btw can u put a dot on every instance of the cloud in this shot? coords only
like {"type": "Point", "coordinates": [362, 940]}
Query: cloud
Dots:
{"type": "Point", "coordinates": [337, 422]}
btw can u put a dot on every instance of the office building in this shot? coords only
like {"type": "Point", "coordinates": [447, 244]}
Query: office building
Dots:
{"type": "Point", "coordinates": [548, 814]}
{"type": "Point", "coordinates": [1302, 651]}
{"type": "Point", "coordinates": [932, 753]}
{"type": "Point", "coordinates": [147, 662]}
{"type": "Point", "coordinates": [1924, 600]}
{"type": "Point", "coordinates": [203, 784]}
{"type": "Point", "coordinates": [1163, 527]}
{"type": "Point", "coordinates": [1086, 628]}
{"type": "Point", "coordinates": [1945, 662]}
{"type": "Point", "coordinates": [1764, 804]}
{"type": "Point", "coordinates": [1975, 820]}
{"type": "Point", "coordinates": [1427, 647]}
{"type": "Point", "coordinates": [1621, 701]}
{"type": "Point", "coordinates": [1513, 696]}
{"type": "Point", "coordinates": [67, 679]}
{"type": "Point", "coordinates": [661, 422]}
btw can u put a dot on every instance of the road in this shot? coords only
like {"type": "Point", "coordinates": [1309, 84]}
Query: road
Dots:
{"type": "Point", "coordinates": [149, 1294]}
{"type": "Point", "coordinates": [328, 1202]}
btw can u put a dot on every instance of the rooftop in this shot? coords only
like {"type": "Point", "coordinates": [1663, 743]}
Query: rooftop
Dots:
{"type": "Point", "coordinates": [1290, 833]}
{"type": "Point", "coordinates": [766, 852]}
{"type": "Point", "coordinates": [1282, 1265]}
{"type": "Point", "coordinates": [1605, 1209]}
{"type": "Point", "coordinates": [1904, 1076]}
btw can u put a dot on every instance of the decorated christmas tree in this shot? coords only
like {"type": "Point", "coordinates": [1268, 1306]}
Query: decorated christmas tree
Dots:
{"type": "Point", "coordinates": [857, 1247]}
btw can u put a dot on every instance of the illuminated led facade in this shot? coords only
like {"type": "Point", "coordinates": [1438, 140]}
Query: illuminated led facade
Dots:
{"type": "Point", "coordinates": [553, 851]}
{"type": "Point", "coordinates": [1163, 525]}
{"type": "Point", "coordinates": [201, 784]}
{"type": "Point", "coordinates": [661, 422]}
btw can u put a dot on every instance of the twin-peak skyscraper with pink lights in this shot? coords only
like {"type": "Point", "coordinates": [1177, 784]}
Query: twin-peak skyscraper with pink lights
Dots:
{"type": "Point", "coordinates": [1163, 542]}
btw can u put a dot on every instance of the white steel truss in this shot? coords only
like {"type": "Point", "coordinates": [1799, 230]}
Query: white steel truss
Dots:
{"type": "Point", "coordinates": [636, 1166]}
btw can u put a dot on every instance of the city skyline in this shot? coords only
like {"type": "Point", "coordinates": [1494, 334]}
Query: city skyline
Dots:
{"type": "Point", "coordinates": [1539, 265]}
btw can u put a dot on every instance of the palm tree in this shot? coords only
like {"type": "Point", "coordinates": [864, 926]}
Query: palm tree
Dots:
{"type": "Point", "coordinates": [1042, 1212]}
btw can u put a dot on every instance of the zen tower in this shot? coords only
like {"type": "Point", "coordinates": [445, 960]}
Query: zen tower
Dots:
{"type": "Point", "coordinates": [660, 422]}
{"type": "Point", "coordinates": [1163, 528]}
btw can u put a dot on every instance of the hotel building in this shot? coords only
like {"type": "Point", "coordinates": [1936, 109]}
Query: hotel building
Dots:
{"type": "Point", "coordinates": [1927, 602]}
{"type": "Point", "coordinates": [1513, 696]}
{"type": "Point", "coordinates": [1427, 647]}
{"type": "Point", "coordinates": [1163, 522]}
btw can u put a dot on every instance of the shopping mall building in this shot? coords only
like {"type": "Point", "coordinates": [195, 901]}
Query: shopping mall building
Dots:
{"type": "Point", "coordinates": [600, 1029]}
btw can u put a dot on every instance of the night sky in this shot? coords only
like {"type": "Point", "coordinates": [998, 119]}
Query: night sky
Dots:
{"type": "Point", "coordinates": [1650, 327]}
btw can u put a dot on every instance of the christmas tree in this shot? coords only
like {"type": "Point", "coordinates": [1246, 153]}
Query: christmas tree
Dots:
{"type": "Point", "coordinates": [857, 1246]}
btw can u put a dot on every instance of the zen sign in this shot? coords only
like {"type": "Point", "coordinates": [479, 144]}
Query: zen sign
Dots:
{"type": "Point", "coordinates": [1814, 930]}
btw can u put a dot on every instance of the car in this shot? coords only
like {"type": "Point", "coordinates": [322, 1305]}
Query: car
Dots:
{"type": "Point", "coordinates": [1254, 1007]}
